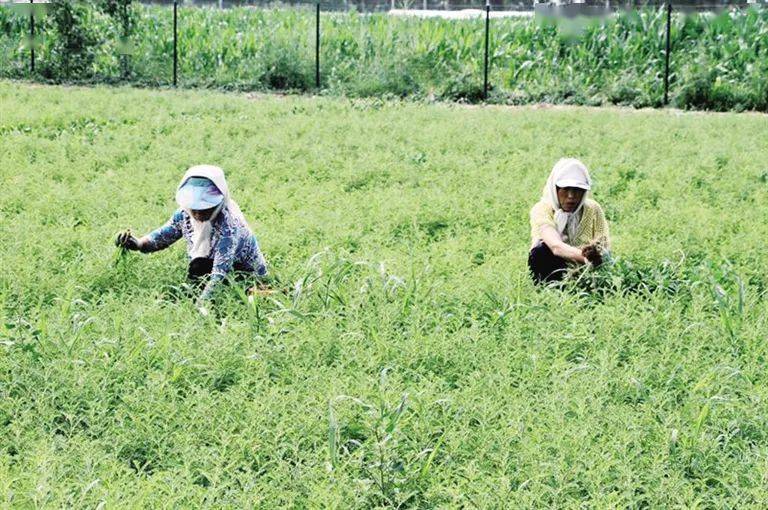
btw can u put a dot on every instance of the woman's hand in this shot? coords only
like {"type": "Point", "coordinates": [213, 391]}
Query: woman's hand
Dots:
{"type": "Point", "coordinates": [591, 252]}
{"type": "Point", "coordinates": [126, 241]}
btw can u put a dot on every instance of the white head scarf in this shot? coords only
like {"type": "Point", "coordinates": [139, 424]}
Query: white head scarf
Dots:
{"type": "Point", "coordinates": [568, 172]}
{"type": "Point", "coordinates": [202, 231]}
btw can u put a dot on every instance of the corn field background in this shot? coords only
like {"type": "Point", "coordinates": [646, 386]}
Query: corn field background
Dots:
{"type": "Point", "coordinates": [718, 61]}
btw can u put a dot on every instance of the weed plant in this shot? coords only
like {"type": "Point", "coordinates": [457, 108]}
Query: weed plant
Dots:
{"type": "Point", "coordinates": [407, 359]}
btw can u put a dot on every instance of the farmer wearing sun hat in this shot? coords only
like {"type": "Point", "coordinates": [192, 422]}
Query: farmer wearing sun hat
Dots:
{"type": "Point", "coordinates": [567, 228]}
{"type": "Point", "coordinates": [218, 237]}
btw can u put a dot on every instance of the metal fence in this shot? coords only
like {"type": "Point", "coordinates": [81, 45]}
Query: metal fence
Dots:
{"type": "Point", "coordinates": [452, 5]}
{"type": "Point", "coordinates": [487, 15]}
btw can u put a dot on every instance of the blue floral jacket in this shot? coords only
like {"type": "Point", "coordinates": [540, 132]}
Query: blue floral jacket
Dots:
{"type": "Point", "coordinates": [232, 244]}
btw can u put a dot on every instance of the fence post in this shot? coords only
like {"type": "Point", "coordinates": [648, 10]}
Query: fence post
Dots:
{"type": "Point", "coordinates": [175, 43]}
{"type": "Point", "coordinates": [126, 35]}
{"type": "Point", "coordinates": [666, 56]}
{"type": "Point", "coordinates": [317, 46]}
{"type": "Point", "coordinates": [32, 36]}
{"type": "Point", "coordinates": [487, 37]}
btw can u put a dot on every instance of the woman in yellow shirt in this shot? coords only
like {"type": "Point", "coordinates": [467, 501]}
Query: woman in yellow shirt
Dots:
{"type": "Point", "coordinates": [567, 228]}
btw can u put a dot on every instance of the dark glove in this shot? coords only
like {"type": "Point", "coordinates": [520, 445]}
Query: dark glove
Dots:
{"type": "Point", "coordinates": [592, 254]}
{"type": "Point", "coordinates": [126, 241]}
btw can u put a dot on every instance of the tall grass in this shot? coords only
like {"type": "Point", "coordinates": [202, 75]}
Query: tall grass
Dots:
{"type": "Point", "coordinates": [408, 360]}
{"type": "Point", "coordinates": [717, 61]}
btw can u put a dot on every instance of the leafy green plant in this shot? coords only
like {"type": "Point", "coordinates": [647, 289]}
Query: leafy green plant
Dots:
{"type": "Point", "coordinates": [124, 16]}
{"type": "Point", "coordinates": [371, 444]}
{"type": "Point", "coordinates": [72, 52]}
{"type": "Point", "coordinates": [716, 63]}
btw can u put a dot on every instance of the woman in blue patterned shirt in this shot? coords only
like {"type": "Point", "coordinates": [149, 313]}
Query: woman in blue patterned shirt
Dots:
{"type": "Point", "coordinates": [218, 237]}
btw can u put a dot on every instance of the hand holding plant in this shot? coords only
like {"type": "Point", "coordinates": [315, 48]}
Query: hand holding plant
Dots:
{"type": "Point", "coordinates": [592, 253]}
{"type": "Point", "coordinates": [127, 241]}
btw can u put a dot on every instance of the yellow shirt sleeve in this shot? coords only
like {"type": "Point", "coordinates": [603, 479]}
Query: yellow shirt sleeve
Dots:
{"type": "Point", "coordinates": [541, 214]}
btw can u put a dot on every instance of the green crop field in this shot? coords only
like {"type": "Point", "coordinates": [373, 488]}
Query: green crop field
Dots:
{"type": "Point", "coordinates": [408, 360]}
{"type": "Point", "coordinates": [718, 61]}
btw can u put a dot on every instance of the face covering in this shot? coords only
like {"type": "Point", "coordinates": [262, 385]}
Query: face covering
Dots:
{"type": "Point", "coordinates": [194, 193]}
